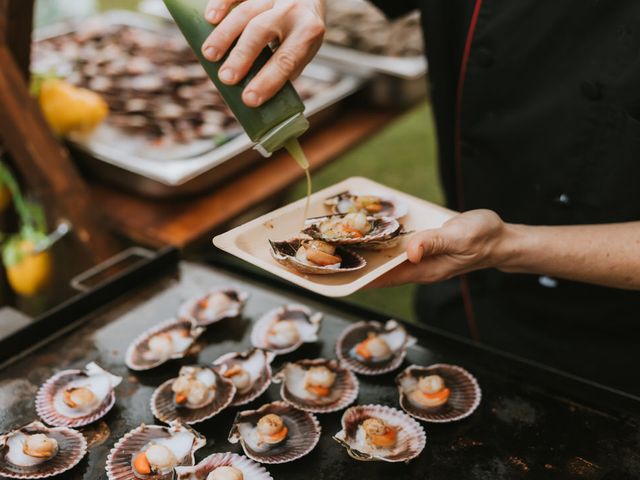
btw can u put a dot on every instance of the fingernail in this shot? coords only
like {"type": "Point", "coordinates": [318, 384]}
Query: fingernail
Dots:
{"type": "Point", "coordinates": [212, 15]}
{"type": "Point", "coordinates": [226, 75]}
{"type": "Point", "coordinates": [211, 53]}
{"type": "Point", "coordinates": [251, 98]}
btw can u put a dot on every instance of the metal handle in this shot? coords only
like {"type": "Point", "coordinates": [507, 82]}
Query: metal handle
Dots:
{"type": "Point", "coordinates": [77, 282]}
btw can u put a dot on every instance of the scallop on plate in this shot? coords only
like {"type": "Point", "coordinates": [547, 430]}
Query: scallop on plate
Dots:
{"type": "Point", "coordinates": [371, 204]}
{"type": "Point", "coordinates": [378, 432]}
{"type": "Point", "coordinates": [249, 371]}
{"type": "Point", "coordinates": [197, 394]}
{"type": "Point", "coordinates": [315, 257]}
{"type": "Point", "coordinates": [74, 398]}
{"type": "Point", "coordinates": [284, 329]}
{"type": "Point", "coordinates": [216, 305]}
{"type": "Point", "coordinates": [152, 452]}
{"type": "Point", "coordinates": [168, 340]}
{"type": "Point", "coordinates": [224, 466]}
{"type": "Point", "coordinates": [37, 451]}
{"type": "Point", "coordinates": [373, 348]}
{"type": "Point", "coordinates": [319, 385]}
{"type": "Point", "coordinates": [438, 393]}
{"type": "Point", "coordinates": [275, 433]}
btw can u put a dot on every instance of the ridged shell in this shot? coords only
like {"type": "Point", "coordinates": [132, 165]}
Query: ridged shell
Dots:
{"type": "Point", "coordinates": [303, 436]}
{"type": "Point", "coordinates": [118, 465]}
{"type": "Point", "coordinates": [164, 408]}
{"type": "Point", "coordinates": [344, 391]}
{"type": "Point", "coordinates": [134, 358]}
{"type": "Point", "coordinates": [191, 310]}
{"type": "Point", "coordinates": [263, 377]}
{"type": "Point", "coordinates": [358, 332]}
{"type": "Point", "coordinates": [385, 234]}
{"type": "Point", "coordinates": [285, 254]}
{"type": "Point", "coordinates": [392, 207]}
{"type": "Point", "coordinates": [250, 469]}
{"type": "Point", "coordinates": [411, 438]}
{"type": "Point", "coordinates": [308, 327]}
{"type": "Point", "coordinates": [72, 447]}
{"type": "Point", "coordinates": [45, 399]}
{"type": "Point", "coordinates": [463, 400]}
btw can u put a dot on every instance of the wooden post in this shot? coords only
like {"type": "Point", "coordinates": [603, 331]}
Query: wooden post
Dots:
{"type": "Point", "coordinates": [42, 161]}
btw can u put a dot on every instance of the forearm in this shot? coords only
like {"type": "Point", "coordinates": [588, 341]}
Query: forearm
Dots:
{"type": "Point", "coordinates": [601, 254]}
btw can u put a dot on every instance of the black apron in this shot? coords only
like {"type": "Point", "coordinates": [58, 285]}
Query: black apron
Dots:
{"type": "Point", "coordinates": [537, 107]}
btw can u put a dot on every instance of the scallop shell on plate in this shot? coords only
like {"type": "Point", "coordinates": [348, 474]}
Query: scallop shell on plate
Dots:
{"type": "Point", "coordinates": [75, 398]}
{"type": "Point", "coordinates": [284, 329]}
{"type": "Point", "coordinates": [168, 340]}
{"type": "Point", "coordinates": [319, 385]}
{"type": "Point", "coordinates": [373, 348]}
{"type": "Point", "coordinates": [374, 233]}
{"type": "Point", "coordinates": [249, 371]}
{"type": "Point", "coordinates": [378, 432]}
{"type": "Point", "coordinates": [153, 451]}
{"type": "Point", "coordinates": [275, 433]}
{"type": "Point", "coordinates": [216, 305]}
{"type": "Point", "coordinates": [224, 465]}
{"type": "Point", "coordinates": [37, 451]}
{"type": "Point", "coordinates": [373, 205]}
{"type": "Point", "coordinates": [197, 394]}
{"type": "Point", "coordinates": [463, 393]}
{"type": "Point", "coordinates": [292, 254]}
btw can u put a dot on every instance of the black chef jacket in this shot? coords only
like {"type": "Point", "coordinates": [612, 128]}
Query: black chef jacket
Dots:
{"type": "Point", "coordinates": [537, 108]}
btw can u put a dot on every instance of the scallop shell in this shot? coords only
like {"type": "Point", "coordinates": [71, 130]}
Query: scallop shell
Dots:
{"type": "Point", "coordinates": [303, 436]}
{"type": "Point", "coordinates": [118, 465]}
{"type": "Point", "coordinates": [135, 356]}
{"type": "Point", "coordinates": [410, 441]}
{"type": "Point", "coordinates": [463, 400]}
{"type": "Point", "coordinates": [385, 234]}
{"type": "Point", "coordinates": [285, 253]}
{"type": "Point", "coordinates": [164, 408]}
{"type": "Point", "coordinates": [308, 326]}
{"type": "Point", "coordinates": [258, 364]}
{"type": "Point", "coordinates": [343, 392]}
{"type": "Point", "coordinates": [49, 395]}
{"type": "Point", "coordinates": [72, 447]}
{"type": "Point", "coordinates": [250, 469]}
{"type": "Point", "coordinates": [392, 207]}
{"type": "Point", "coordinates": [358, 332]}
{"type": "Point", "coordinates": [191, 310]}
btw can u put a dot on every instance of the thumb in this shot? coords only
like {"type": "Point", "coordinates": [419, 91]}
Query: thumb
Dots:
{"type": "Point", "coordinates": [425, 243]}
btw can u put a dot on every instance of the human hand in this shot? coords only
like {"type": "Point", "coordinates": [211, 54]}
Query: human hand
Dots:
{"type": "Point", "coordinates": [469, 241]}
{"type": "Point", "coordinates": [298, 26]}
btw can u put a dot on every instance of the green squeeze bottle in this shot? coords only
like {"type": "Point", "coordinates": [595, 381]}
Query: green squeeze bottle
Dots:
{"type": "Point", "coordinates": [276, 123]}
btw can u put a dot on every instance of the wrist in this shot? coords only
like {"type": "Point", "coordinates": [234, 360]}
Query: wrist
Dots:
{"type": "Point", "coordinates": [513, 247]}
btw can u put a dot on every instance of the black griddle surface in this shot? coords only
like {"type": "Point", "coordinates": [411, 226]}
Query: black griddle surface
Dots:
{"type": "Point", "coordinates": [522, 429]}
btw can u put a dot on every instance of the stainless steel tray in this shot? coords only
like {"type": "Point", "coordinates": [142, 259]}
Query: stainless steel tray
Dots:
{"type": "Point", "coordinates": [118, 158]}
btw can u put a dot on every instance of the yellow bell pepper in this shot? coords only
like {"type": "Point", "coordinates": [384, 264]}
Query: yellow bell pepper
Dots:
{"type": "Point", "coordinates": [69, 108]}
{"type": "Point", "coordinates": [31, 272]}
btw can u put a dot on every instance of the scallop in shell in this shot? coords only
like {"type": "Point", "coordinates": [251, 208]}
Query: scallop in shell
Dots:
{"type": "Point", "coordinates": [371, 348]}
{"type": "Point", "coordinates": [197, 394]}
{"type": "Point", "coordinates": [294, 254]}
{"type": "Point", "coordinates": [36, 451]}
{"type": "Point", "coordinates": [152, 452]}
{"type": "Point", "coordinates": [224, 466]}
{"type": "Point", "coordinates": [284, 329]}
{"type": "Point", "coordinates": [275, 433]}
{"type": "Point", "coordinates": [438, 393]}
{"type": "Point", "coordinates": [318, 386]}
{"type": "Point", "coordinates": [378, 432]}
{"type": "Point", "coordinates": [74, 398]}
{"type": "Point", "coordinates": [168, 340]}
{"type": "Point", "coordinates": [355, 230]}
{"type": "Point", "coordinates": [249, 371]}
{"type": "Point", "coordinates": [216, 305]}
{"type": "Point", "coordinates": [373, 205]}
